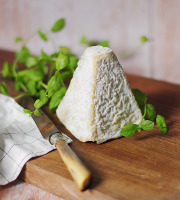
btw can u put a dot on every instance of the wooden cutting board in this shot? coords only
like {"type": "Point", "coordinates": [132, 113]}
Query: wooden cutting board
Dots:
{"type": "Point", "coordinates": [146, 166]}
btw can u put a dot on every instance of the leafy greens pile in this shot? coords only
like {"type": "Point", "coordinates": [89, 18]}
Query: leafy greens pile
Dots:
{"type": "Point", "coordinates": [44, 76]}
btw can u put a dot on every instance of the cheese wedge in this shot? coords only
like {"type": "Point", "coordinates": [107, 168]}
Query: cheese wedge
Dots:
{"type": "Point", "coordinates": [99, 101]}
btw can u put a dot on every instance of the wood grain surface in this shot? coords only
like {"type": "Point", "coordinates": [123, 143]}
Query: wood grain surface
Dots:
{"type": "Point", "coordinates": [145, 166]}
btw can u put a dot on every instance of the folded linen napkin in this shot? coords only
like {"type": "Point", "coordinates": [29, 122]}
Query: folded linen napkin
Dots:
{"type": "Point", "coordinates": [20, 139]}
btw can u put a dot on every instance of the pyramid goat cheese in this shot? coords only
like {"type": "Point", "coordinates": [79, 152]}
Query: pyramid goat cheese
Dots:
{"type": "Point", "coordinates": [99, 101]}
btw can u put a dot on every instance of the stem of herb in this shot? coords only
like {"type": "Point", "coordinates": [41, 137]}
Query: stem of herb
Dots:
{"type": "Point", "coordinates": [24, 87]}
{"type": "Point", "coordinates": [52, 41]}
{"type": "Point", "coordinates": [43, 84]}
{"type": "Point", "coordinates": [144, 111]}
{"type": "Point", "coordinates": [50, 72]}
{"type": "Point", "coordinates": [124, 55]}
{"type": "Point", "coordinates": [72, 70]}
{"type": "Point", "coordinates": [29, 39]}
{"type": "Point", "coordinates": [62, 82]}
{"type": "Point", "coordinates": [21, 95]}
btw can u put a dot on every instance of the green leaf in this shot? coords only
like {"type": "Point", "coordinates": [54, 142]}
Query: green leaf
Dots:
{"type": "Point", "coordinates": [66, 75]}
{"type": "Point", "coordinates": [29, 74]}
{"type": "Point", "coordinates": [43, 99]}
{"type": "Point", "coordinates": [42, 68]}
{"type": "Point", "coordinates": [161, 124]}
{"type": "Point", "coordinates": [8, 70]}
{"type": "Point", "coordinates": [62, 61]}
{"type": "Point", "coordinates": [163, 130]}
{"type": "Point", "coordinates": [45, 57]}
{"type": "Point", "coordinates": [73, 60]}
{"type": "Point", "coordinates": [18, 85]}
{"type": "Point", "coordinates": [54, 84]}
{"type": "Point", "coordinates": [40, 102]}
{"type": "Point", "coordinates": [140, 97]}
{"type": "Point", "coordinates": [42, 94]}
{"type": "Point", "coordinates": [18, 39]}
{"type": "Point", "coordinates": [27, 112]}
{"type": "Point", "coordinates": [150, 113]}
{"type": "Point", "coordinates": [31, 86]}
{"type": "Point", "coordinates": [104, 43]}
{"type": "Point", "coordinates": [56, 99]}
{"type": "Point", "coordinates": [147, 125]}
{"type": "Point", "coordinates": [84, 40]}
{"type": "Point", "coordinates": [65, 50]}
{"type": "Point", "coordinates": [31, 61]}
{"type": "Point", "coordinates": [54, 66]}
{"type": "Point", "coordinates": [23, 54]}
{"type": "Point", "coordinates": [139, 129]}
{"type": "Point", "coordinates": [54, 55]}
{"type": "Point", "coordinates": [144, 39]}
{"type": "Point", "coordinates": [42, 35]}
{"type": "Point", "coordinates": [4, 89]}
{"type": "Point", "coordinates": [58, 25]}
{"type": "Point", "coordinates": [129, 130]}
{"type": "Point", "coordinates": [37, 113]}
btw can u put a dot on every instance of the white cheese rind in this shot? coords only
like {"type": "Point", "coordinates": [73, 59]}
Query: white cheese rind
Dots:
{"type": "Point", "coordinates": [98, 102]}
{"type": "Point", "coordinates": [114, 103]}
{"type": "Point", "coordinates": [76, 108]}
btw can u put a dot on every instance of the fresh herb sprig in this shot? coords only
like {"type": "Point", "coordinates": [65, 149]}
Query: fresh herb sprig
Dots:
{"type": "Point", "coordinates": [143, 39]}
{"type": "Point", "coordinates": [44, 76]}
{"type": "Point", "coordinates": [149, 116]}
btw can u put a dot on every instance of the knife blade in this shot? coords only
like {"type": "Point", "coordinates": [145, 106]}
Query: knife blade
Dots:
{"type": "Point", "coordinates": [81, 175]}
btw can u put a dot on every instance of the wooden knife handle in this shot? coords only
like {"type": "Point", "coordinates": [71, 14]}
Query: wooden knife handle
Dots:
{"type": "Point", "coordinates": [79, 172]}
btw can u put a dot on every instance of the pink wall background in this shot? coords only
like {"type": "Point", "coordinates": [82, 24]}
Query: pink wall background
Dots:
{"type": "Point", "coordinates": [120, 22]}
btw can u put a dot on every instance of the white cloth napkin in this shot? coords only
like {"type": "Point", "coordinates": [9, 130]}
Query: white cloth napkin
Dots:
{"type": "Point", "coordinates": [20, 139]}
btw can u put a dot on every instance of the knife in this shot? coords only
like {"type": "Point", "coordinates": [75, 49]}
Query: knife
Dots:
{"type": "Point", "coordinates": [81, 175]}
